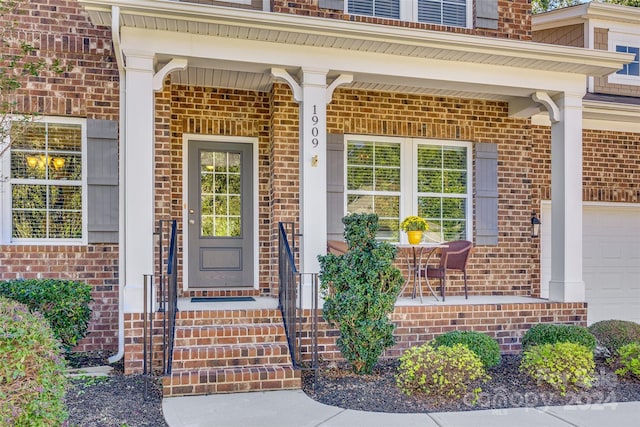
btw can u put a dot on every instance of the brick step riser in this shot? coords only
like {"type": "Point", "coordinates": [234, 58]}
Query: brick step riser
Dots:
{"type": "Point", "coordinates": [192, 319]}
{"type": "Point", "coordinates": [195, 332]}
{"type": "Point", "coordinates": [231, 380]}
{"type": "Point", "coordinates": [225, 340]}
{"type": "Point", "coordinates": [226, 356]}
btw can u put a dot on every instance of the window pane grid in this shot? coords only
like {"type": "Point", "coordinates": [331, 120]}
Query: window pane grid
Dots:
{"type": "Point", "coordinates": [220, 204]}
{"type": "Point", "coordinates": [373, 183]}
{"type": "Point", "coordinates": [632, 68]}
{"type": "Point", "coordinates": [442, 190]}
{"type": "Point", "coordinates": [46, 185]}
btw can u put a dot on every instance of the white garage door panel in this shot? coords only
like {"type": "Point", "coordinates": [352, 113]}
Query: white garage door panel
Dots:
{"type": "Point", "coordinates": [611, 260]}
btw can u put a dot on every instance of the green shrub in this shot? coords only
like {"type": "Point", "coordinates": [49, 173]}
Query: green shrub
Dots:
{"type": "Point", "coordinates": [442, 372]}
{"type": "Point", "coordinates": [360, 289]}
{"type": "Point", "coordinates": [627, 360]}
{"type": "Point", "coordinates": [545, 333]}
{"type": "Point", "coordinates": [32, 380]}
{"type": "Point", "coordinates": [562, 365]}
{"type": "Point", "coordinates": [613, 334]}
{"type": "Point", "coordinates": [65, 304]}
{"type": "Point", "coordinates": [485, 347]}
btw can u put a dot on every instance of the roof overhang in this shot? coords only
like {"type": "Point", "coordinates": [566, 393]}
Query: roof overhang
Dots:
{"type": "Point", "coordinates": [385, 58]}
{"type": "Point", "coordinates": [332, 33]}
{"type": "Point", "coordinates": [578, 14]}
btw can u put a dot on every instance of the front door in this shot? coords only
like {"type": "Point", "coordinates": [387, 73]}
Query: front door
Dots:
{"type": "Point", "coordinates": [220, 214]}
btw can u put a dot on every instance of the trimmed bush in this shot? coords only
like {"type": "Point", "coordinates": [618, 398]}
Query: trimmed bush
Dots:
{"type": "Point", "coordinates": [545, 333]}
{"type": "Point", "coordinates": [485, 347]}
{"type": "Point", "coordinates": [32, 380]}
{"type": "Point", "coordinates": [627, 360]}
{"type": "Point", "coordinates": [562, 365]}
{"type": "Point", "coordinates": [443, 372]}
{"type": "Point", "coordinates": [613, 334]}
{"type": "Point", "coordinates": [65, 304]}
{"type": "Point", "coordinates": [360, 289]}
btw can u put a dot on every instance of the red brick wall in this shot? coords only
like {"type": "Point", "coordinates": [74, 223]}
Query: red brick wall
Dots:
{"type": "Point", "coordinates": [60, 29]}
{"type": "Point", "coordinates": [416, 325]}
{"type": "Point", "coordinates": [510, 267]}
{"type": "Point", "coordinates": [610, 165]}
{"type": "Point", "coordinates": [514, 18]}
{"type": "Point", "coordinates": [274, 119]}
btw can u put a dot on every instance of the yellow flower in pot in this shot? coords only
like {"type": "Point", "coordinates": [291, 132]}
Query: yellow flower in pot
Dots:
{"type": "Point", "coordinates": [414, 226]}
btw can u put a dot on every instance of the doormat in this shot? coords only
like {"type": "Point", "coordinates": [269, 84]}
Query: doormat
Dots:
{"type": "Point", "coordinates": [221, 299]}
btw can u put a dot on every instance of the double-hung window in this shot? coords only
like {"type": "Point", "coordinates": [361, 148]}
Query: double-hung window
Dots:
{"type": "Point", "coordinates": [397, 177]}
{"type": "Point", "coordinates": [44, 198]}
{"type": "Point", "coordinates": [456, 13]}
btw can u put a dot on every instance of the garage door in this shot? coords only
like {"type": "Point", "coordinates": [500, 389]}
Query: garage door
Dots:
{"type": "Point", "coordinates": [611, 266]}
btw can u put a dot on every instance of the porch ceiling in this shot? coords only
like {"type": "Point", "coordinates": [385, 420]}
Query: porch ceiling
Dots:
{"type": "Point", "coordinates": [311, 32]}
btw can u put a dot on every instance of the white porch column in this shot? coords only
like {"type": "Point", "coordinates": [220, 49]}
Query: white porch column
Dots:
{"type": "Point", "coordinates": [137, 161]}
{"type": "Point", "coordinates": [566, 201]}
{"type": "Point", "coordinates": [313, 168]}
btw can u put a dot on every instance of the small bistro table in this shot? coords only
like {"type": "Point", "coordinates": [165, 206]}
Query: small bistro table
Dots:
{"type": "Point", "coordinates": [415, 256]}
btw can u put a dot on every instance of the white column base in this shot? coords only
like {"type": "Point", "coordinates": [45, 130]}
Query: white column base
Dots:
{"type": "Point", "coordinates": [567, 291]}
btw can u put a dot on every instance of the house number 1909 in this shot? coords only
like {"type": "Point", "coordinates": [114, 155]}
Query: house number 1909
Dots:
{"type": "Point", "coordinates": [314, 127]}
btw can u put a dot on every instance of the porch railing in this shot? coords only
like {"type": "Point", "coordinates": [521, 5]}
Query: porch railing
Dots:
{"type": "Point", "coordinates": [293, 302]}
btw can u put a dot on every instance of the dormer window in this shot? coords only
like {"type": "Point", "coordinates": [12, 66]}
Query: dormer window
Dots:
{"type": "Point", "coordinates": [456, 13]}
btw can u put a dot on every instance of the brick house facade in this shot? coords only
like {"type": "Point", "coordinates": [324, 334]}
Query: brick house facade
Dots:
{"type": "Point", "coordinates": [215, 71]}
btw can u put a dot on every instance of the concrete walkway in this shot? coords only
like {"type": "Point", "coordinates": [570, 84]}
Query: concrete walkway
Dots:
{"type": "Point", "coordinates": [293, 408]}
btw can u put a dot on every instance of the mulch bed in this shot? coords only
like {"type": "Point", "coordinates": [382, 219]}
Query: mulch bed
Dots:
{"type": "Point", "coordinates": [508, 388]}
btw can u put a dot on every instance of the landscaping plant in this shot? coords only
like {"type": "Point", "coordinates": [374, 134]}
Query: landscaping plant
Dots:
{"type": "Point", "coordinates": [562, 365]}
{"type": "Point", "coordinates": [546, 333]}
{"type": "Point", "coordinates": [443, 372]}
{"type": "Point", "coordinates": [485, 347]}
{"type": "Point", "coordinates": [613, 334]}
{"type": "Point", "coordinates": [32, 380]}
{"type": "Point", "coordinates": [627, 360]}
{"type": "Point", "coordinates": [65, 304]}
{"type": "Point", "coordinates": [360, 289]}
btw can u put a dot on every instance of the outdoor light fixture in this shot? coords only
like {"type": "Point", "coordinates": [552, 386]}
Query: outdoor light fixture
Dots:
{"type": "Point", "coordinates": [535, 225]}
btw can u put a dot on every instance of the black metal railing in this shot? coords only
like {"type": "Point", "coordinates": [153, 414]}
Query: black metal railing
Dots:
{"type": "Point", "coordinates": [168, 288]}
{"type": "Point", "coordinates": [167, 302]}
{"type": "Point", "coordinates": [293, 302]}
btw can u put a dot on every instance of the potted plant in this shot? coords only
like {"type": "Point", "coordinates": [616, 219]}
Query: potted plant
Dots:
{"type": "Point", "coordinates": [414, 226]}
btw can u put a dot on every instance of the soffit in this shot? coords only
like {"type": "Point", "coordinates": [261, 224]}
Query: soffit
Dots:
{"type": "Point", "coordinates": [286, 29]}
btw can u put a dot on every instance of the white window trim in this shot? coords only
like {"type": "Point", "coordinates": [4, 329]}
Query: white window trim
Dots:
{"type": "Point", "coordinates": [409, 175]}
{"type": "Point", "coordinates": [6, 202]}
{"type": "Point", "coordinates": [623, 39]}
{"type": "Point", "coordinates": [409, 12]}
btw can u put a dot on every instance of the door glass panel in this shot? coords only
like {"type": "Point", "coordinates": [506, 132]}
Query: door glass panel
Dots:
{"type": "Point", "coordinates": [220, 194]}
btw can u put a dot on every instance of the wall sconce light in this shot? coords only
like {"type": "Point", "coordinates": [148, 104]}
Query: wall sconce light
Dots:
{"type": "Point", "coordinates": [535, 225]}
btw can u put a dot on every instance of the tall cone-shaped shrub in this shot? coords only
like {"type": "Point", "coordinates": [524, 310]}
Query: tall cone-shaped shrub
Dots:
{"type": "Point", "coordinates": [360, 289]}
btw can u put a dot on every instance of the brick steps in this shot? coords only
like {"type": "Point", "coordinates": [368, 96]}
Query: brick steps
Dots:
{"type": "Point", "coordinates": [231, 380]}
{"type": "Point", "coordinates": [229, 334]}
{"type": "Point", "coordinates": [227, 351]}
